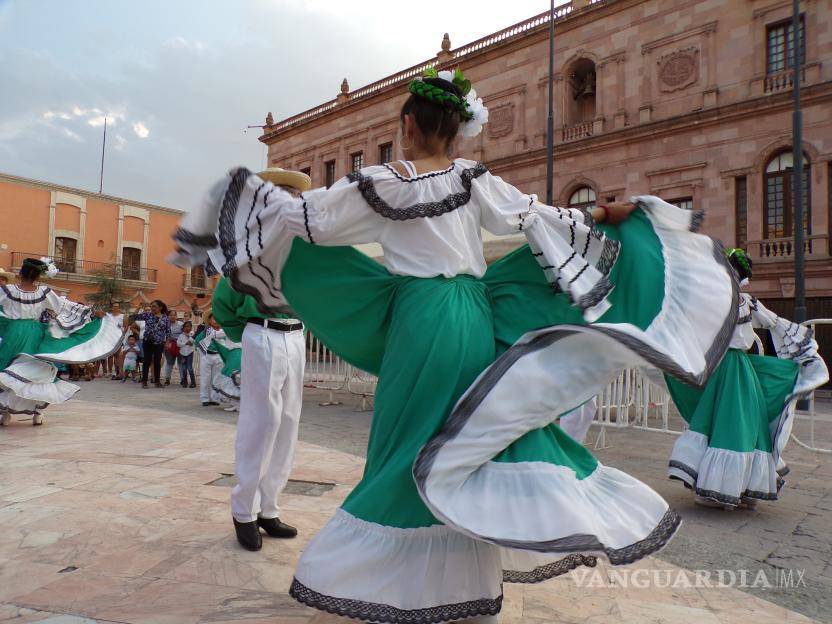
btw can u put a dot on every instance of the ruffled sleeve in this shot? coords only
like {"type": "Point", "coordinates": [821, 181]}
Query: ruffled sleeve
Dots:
{"type": "Point", "coordinates": [245, 226]}
{"type": "Point", "coordinates": [575, 256]}
{"type": "Point", "coordinates": [792, 341]}
{"type": "Point", "coordinates": [68, 315]}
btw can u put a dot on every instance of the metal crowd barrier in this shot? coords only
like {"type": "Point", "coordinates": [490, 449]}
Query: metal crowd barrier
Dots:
{"type": "Point", "coordinates": [810, 414]}
{"type": "Point", "coordinates": [630, 400]}
{"type": "Point", "coordinates": [326, 371]}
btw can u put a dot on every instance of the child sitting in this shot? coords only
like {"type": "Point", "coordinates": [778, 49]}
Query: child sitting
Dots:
{"type": "Point", "coordinates": [130, 357]}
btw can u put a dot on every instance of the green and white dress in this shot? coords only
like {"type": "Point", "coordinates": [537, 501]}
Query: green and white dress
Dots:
{"type": "Point", "coordinates": [29, 349]}
{"type": "Point", "coordinates": [227, 384]}
{"type": "Point", "coordinates": [469, 481]}
{"type": "Point", "coordinates": [739, 423]}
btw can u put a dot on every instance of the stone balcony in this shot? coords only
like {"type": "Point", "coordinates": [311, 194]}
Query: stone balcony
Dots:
{"type": "Point", "coordinates": [782, 249]}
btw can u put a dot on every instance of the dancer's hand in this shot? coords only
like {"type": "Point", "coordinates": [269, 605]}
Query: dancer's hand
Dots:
{"type": "Point", "coordinates": [614, 212]}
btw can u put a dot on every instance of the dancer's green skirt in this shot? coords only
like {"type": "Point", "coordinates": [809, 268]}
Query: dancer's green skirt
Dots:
{"type": "Point", "coordinates": [519, 500]}
{"type": "Point", "coordinates": [727, 452]}
{"type": "Point", "coordinates": [29, 356]}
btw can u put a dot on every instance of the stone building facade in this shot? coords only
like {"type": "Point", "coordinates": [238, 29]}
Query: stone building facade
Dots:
{"type": "Point", "coordinates": [90, 234]}
{"type": "Point", "coordinates": [690, 101]}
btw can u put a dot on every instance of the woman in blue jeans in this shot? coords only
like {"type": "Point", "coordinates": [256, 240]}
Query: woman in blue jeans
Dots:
{"type": "Point", "coordinates": [185, 342]}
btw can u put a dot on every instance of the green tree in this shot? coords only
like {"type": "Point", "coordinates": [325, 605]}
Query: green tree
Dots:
{"type": "Point", "coordinates": [109, 290]}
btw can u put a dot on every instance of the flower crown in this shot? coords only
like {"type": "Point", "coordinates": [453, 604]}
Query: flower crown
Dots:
{"type": "Point", "coordinates": [740, 256]}
{"type": "Point", "coordinates": [470, 108]}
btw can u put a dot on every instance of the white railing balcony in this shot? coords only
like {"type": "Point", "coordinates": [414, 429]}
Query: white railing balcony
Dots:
{"type": "Point", "coordinates": [782, 249]}
{"type": "Point", "coordinates": [782, 81]}
{"type": "Point", "coordinates": [578, 131]}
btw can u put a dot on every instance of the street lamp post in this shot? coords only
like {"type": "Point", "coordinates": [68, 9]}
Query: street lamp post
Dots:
{"type": "Point", "coordinates": [797, 171]}
{"type": "Point", "coordinates": [550, 121]}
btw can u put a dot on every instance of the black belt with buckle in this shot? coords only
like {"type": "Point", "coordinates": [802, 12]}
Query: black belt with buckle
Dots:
{"type": "Point", "coordinates": [272, 324]}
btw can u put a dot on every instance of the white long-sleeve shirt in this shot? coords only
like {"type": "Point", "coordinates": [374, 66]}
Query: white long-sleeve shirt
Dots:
{"type": "Point", "coordinates": [427, 225]}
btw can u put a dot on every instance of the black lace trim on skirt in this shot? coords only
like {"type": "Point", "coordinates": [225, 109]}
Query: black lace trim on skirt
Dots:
{"type": "Point", "coordinates": [378, 612]}
{"type": "Point", "coordinates": [550, 570]}
{"type": "Point", "coordinates": [721, 497]}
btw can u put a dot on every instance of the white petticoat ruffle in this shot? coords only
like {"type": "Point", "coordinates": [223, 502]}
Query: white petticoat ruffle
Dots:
{"type": "Point", "coordinates": [723, 475]}
{"type": "Point", "coordinates": [28, 385]}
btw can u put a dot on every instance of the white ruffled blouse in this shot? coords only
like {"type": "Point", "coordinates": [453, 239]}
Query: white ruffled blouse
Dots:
{"type": "Point", "coordinates": [23, 304]}
{"type": "Point", "coordinates": [428, 225]}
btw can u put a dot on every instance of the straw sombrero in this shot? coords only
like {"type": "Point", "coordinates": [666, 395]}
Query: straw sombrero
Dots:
{"type": "Point", "coordinates": [7, 274]}
{"type": "Point", "coordinates": [284, 177]}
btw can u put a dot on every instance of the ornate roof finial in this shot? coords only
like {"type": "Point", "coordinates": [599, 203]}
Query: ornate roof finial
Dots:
{"type": "Point", "coordinates": [269, 119]}
{"type": "Point", "coordinates": [444, 55]}
{"type": "Point", "coordinates": [344, 96]}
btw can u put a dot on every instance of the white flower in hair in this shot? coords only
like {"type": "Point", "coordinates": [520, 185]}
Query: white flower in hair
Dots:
{"type": "Point", "coordinates": [473, 127]}
{"type": "Point", "coordinates": [446, 75]}
{"type": "Point", "coordinates": [51, 269]}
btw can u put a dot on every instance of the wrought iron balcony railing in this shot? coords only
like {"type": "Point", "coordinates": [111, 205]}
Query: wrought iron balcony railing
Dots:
{"type": "Point", "coordinates": [196, 282]}
{"type": "Point", "coordinates": [71, 268]}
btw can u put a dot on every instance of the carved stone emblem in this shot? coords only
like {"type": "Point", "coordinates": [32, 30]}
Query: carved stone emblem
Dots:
{"type": "Point", "coordinates": [679, 70]}
{"type": "Point", "coordinates": [500, 121]}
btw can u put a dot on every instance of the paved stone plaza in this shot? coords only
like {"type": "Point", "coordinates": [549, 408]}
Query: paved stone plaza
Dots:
{"type": "Point", "coordinates": [117, 511]}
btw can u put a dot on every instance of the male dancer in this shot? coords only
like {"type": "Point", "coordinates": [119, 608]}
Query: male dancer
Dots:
{"type": "Point", "coordinates": [271, 389]}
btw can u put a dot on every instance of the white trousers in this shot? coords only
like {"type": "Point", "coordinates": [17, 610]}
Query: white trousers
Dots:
{"type": "Point", "coordinates": [210, 368]}
{"type": "Point", "coordinates": [271, 392]}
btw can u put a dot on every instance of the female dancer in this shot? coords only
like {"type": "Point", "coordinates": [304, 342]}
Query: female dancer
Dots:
{"type": "Point", "coordinates": [30, 349]}
{"type": "Point", "coordinates": [467, 481]}
{"type": "Point", "coordinates": [741, 420]}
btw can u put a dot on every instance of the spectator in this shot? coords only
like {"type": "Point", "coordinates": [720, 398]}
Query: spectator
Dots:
{"type": "Point", "coordinates": [117, 316]}
{"type": "Point", "coordinates": [156, 329]}
{"type": "Point", "coordinates": [134, 331]}
{"type": "Point", "coordinates": [185, 342]}
{"type": "Point", "coordinates": [171, 349]}
{"type": "Point", "coordinates": [130, 358]}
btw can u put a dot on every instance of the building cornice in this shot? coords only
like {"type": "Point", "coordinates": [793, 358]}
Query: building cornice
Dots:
{"type": "Point", "coordinates": [536, 25]}
{"type": "Point", "coordinates": [667, 127]}
{"type": "Point", "coordinates": [51, 186]}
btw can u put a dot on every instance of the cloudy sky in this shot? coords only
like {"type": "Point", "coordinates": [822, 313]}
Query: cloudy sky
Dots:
{"type": "Point", "coordinates": [179, 80]}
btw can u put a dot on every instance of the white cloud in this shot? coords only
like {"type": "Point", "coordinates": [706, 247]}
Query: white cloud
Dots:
{"type": "Point", "coordinates": [181, 43]}
{"type": "Point", "coordinates": [120, 143]}
{"type": "Point", "coordinates": [72, 135]}
{"type": "Point", "coordinates": [140, 130]}
{"type": "Point", "coordinates": [97, 121]}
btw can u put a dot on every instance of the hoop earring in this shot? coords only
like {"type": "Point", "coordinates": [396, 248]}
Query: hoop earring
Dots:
{"type": "Point", "coordinates": [404, 147]}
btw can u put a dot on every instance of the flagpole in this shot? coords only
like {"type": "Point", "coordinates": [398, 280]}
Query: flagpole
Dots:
{"type": "Point", "coordinates": [550, 122]}
{"type": "Point", "coordinates": [103, 145]}
{"type": "Point", "coordinates": [797, 171]}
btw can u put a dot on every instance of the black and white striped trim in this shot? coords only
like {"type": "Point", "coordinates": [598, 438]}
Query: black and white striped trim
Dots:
{"type": "Point", "coordinates": [37, 296]}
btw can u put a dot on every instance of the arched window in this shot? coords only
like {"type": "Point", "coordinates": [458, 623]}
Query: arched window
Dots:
{"type": "Point", "coordinates": [779, 197]}
{"type": "Point", "coordinates": [582, 198]}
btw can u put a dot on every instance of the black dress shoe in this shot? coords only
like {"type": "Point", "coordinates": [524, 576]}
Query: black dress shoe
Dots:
{"type": "Point", "coordinates": [248, 535]}
{"type": "Point", "coordinates": [275, 528]}
{"type": "Point", "coordinates": [207, 403]}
